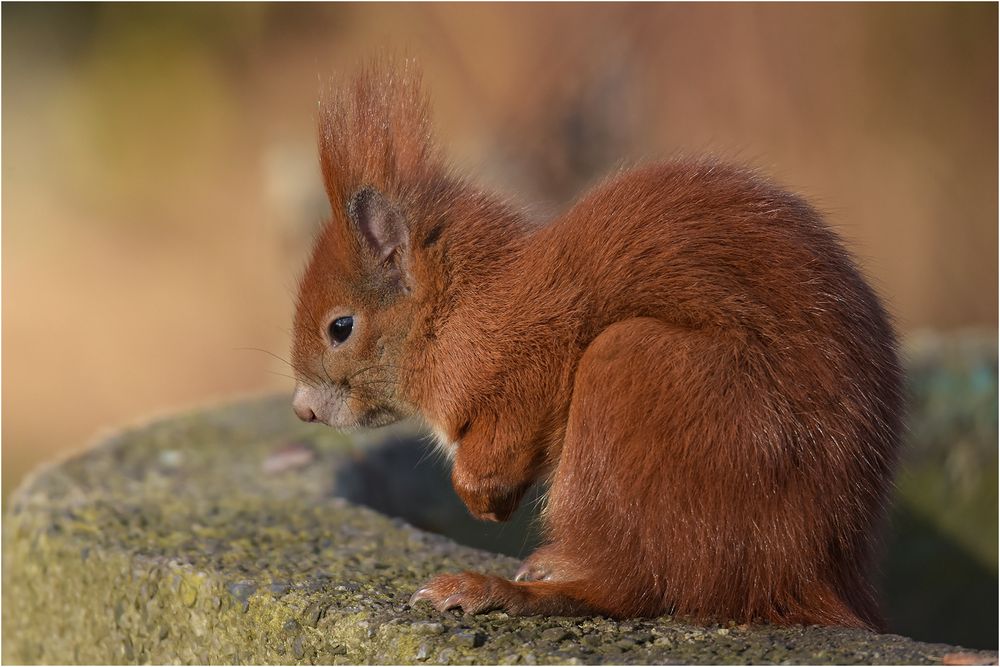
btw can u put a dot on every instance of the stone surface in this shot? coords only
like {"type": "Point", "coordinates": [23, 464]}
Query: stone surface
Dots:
{"type": "Point", "coordinates": [230, 536]}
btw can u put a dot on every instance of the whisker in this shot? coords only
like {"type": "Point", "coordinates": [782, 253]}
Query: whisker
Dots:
{"type": "Point", "coordinates": [430, 449]}
{"type": "Point", "coordinates": [359, 372]}
{"type": "Point", "coordinates": [366, 383]}
{"type": "Point", "coordinates": [381, 366]}
{"type": "Point", "coordinates": [308, 375]}
{"type": "Point", "coordinates": [290, 377]}
{"type": "Point", "coordinates": [301, 371]}
{"type": "Point", "coordinates": [322, 363]}
{"type": "Point", "coordinates": [271, 354]}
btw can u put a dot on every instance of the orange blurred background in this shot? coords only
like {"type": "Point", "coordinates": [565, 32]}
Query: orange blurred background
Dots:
{"type": "Point", "coordinates": [160, 181]}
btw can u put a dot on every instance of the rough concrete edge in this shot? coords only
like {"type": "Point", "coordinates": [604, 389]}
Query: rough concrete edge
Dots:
{"type": "Point", "coordinates": [367, 648]}
{"type": "Point", "coordinates": [208, 621]}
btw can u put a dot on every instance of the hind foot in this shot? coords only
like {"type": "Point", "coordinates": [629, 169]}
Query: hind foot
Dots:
{"type": "Point", "coordinates": [476, 593]}
{"type": "Point", "coordinates": [473, 593]}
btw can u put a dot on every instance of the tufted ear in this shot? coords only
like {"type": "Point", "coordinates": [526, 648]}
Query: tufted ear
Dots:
{"type": "Point", "coordinates": [381, 226]}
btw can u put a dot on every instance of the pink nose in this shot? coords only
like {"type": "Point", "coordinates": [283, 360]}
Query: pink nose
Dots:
{"type": "Point", "coordinates": [304, 413]}
{"type": "Point", "coordinates": [302, 410]}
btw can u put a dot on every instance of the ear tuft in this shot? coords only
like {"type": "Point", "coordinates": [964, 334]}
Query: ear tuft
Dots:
{"type": "Point", "coordinates": [380, 224]}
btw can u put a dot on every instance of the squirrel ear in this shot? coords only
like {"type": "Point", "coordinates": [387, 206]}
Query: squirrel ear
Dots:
{"type": "Point", "coordinates": [380, 224]}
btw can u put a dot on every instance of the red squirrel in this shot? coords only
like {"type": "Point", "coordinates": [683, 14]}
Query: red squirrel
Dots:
{"type": "Point", "coordinates": [687, 356]}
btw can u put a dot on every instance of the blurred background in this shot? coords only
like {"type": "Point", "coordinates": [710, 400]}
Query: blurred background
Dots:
{"type": "Point", "coordinates": [160, 188]}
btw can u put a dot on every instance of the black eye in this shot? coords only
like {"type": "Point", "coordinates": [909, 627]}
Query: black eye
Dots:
{"type": "Point", "coordinates": [340, 329]}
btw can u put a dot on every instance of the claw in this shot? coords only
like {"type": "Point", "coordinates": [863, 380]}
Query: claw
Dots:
{"type": "Point", "coordinates": [450, 602]}
{"type": "Point", "coordinates": [422, 594]}
{"type": "Point", "coordinates": [529, 572]}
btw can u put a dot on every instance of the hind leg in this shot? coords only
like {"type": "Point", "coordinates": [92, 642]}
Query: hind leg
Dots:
{"type": "Point", "coordinates": [613, 504]}
{"type": "Point", "coordinates": [689, 484]}
{"type": "Point", "coordinates": [596, 561]}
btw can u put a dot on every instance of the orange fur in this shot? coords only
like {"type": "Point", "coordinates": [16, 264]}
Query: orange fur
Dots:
{"type": "Point", "coordinates": [687, 355]}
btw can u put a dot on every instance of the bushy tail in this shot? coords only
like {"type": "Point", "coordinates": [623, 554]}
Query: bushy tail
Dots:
{"type": "Point", "coordinates": [375, 130]}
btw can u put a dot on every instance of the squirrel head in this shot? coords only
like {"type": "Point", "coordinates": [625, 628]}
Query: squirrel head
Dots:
{"type": "Point", "coordinates": [365, 285]}
{"type": "Point", "coordinates": [406, 242]}
{"type": "Point", "coordinates": [355, 300]}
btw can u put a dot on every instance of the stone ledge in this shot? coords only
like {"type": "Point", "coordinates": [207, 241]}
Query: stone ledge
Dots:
{"type": "Point", "coordinates": [218, 537]}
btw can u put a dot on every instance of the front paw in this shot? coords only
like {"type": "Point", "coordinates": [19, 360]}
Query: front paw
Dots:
{"type": "Point", "coordinates": [488, 500]}
{"type": "Point", "coordinates": [473, 593]}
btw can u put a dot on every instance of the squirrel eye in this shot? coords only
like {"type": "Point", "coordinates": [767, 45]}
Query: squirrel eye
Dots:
{"type": "Point", "coordinates": [340, 329]}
